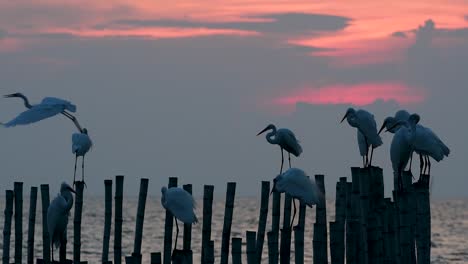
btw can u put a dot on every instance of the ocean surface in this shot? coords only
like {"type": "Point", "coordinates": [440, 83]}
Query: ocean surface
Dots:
{"type": "Point", "coordinates": [449, 228]}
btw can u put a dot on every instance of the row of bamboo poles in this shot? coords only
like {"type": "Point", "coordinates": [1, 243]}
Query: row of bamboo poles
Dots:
{"type": "Point", "coordinates": [368, 228]}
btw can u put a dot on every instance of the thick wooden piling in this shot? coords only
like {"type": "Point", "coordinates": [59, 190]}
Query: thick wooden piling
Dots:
{"type": "Point", "coordinates": [107, 220]}
{"type": "Point", "coordinates": [168, 226]}
{"type": "Point", "coordinates": [275, 221]}
{"type": "Point", "coordinates": [155, 258]}
{"type": "Point", "coordinates": [320, 240]}
{"type": "Point", "coordinates": [32, 224]}
{"type": "Point", "coordinates": [140, 218]}
{"type": "Point", "coordinates": [45, 233]}
{"type": "Point", "coordinates": [299, 235]}
{"type": "Point", "coordinates": [9, 194]}
{"type": "Point", "coordinates": [18, 191]}
{"type": "Point", "coordinates": [337, 251]}
{"type": "Point", "coordinates": [228, 211]}
{"type": "Point", "coordinates": [251, 237]}
{"type": "Point", "coordinates": [423, 229]}
{"type": "Point", "coordinates": [207, 217]}
{"type": "Point", "coordinates": [264, 201]}
{"type": "Point", "coordinates": [285, 246]}
{"type": "Point", "coordinates": [236, 252]}
{"type": "Point", "coordinates": [333, 242]}
{"type": "Point", "coordinates": [187, 243]}
{"type": "Point", "coordinates": [77, 222]}
{"type": "Point", "coordinates": [406, 241]}
{"type": "Point", "coordinates": [272, 247]}
{"type": "Point", "coordinates": [210, 253]}
{"type": "Point", "coordinates": [352, 223]}
{"type": "Point", "coordinates": [118, 220]}
{"type": "Point", "coordinates": [364, 204]}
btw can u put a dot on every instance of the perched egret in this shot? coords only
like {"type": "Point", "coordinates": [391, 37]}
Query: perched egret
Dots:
{"type": "Point", "coordinates": [181, 205]}
{"type": "Point", "coordinates": [365, 123]}
{"type": "Point", "coordinates": [57, 216]}
{"type": "Point", "coordinates": [284, 138]}
{"type": "Point", "coordinates": [49, 106]}
{"type": "Point", "coordinates": [299, 186]}
{"type": "Point", "coordinates": [81, 145]}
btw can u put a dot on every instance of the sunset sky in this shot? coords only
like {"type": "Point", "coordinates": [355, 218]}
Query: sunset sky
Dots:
{"type": "Point", "coordinates": [180, 88]}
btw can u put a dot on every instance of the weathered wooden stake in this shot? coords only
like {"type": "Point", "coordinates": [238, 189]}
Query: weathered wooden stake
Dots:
{"type": "Point", "coordinates": [337, 251]}
{"type": "Point", "coordinates": [272, 247]}
{"type": "Point", "coordinates": [275, 219]}
{"type": "Point", "coordinates": [207, 216]}
{"type": "Point", "coordinates": [424, 219]}
{"type": "Point", "coordinates": [364, 185]}
{"type": "Point", "coordinates": [107, 220]}
{"type": "Point", "coordinates": [320, 240]}
{"type": "Point", "coordinates": [156, 258]}
{"type": "Point", "coordinates": [299, 235]}
{"type": "Point", "coordinates": [32, 223]}
{"type": "Point", "coordinates": [77, 222]}
{"type": "Point", "coordinates": [45, 233]}
{"type": "Point", "coordinates": [265, 197]}
{"type": "Point", "coordinates": [285, 246]}
{"type": "Point", "coordinates": [9, 194]}
{"type": "Point", "coordinates": [139, 220]}
{"type": "Point", "coordinates": [187, 227]}
{"type": "Point", "coordinates": [251, 254]}
{"type": "Point", "coordinates": [210, 252]}
{"type": "Point", "coordinates": [352, 224]}
{"type": "Point", "coordinates": [118, 220]}
{"type": "Point", "coordinates": [228, 211]}
{"type": "Point", "coordinates": [236, 250]}
{"type": "Point", "coordinates": [168, 225]}
{"type": "Point", "coordinates": [18, 190]}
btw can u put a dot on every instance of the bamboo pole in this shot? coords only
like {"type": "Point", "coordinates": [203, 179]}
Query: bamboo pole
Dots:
{"type": "Point", "coordinates": [338, 250]}
{"type": "Point", "coordinates": [236, 250]}
{"type": "Point", "coordinates": [77, 222]}
{"type": "Point", "coordinates": [156, 258]}
{"type": "Point", "coordinates": [207, 216]}
{"type": "Point", "coordinates": [265, 197]}
{"type": "Point", "coordinates": [285, 246]}
{"type": "Point", "coordinates": [364, 203]}
{"type": "Point", "coordinates": [18, 191]}
{"type": "Point", "coordinates": [275, 222]}
{"type": "Point", "coordinates": [424, 220]}
{"type": "Point", "coordinates": [210, 252]}
{"type": "Point", "coordinates": [168, 226]}
{"type": "Point", "coordinates": [107, 220]}
{"type": "Point", "coordinates": [32, 224]}
{"type": "Point", "coordinates": [187, 227]}
{"type": "Point", "coordinates": [403, 200]}
{"type": "Point", "coordinates": [320, 240]}
{"type": "Point", "coordinates": [228, 211]}
{"type": "Point", "coordinates": [9, 194]}
{"type": "Point", "coordinates": [251, 254]}
{"type": "Point", "coordinates": [45, 233]}
{"type": "Point", "coordinates": [118, 220]}
{"type": "Point", "coordinates": [299, 235]}
{"type": "Point", "coordinates": [272, 247]}
{"type": "Point", "coordinates": [140, 220]}
{"type": "Point", "coordinates": [333, 242]}
{"type": "Point", "coordinates": [353, 229]}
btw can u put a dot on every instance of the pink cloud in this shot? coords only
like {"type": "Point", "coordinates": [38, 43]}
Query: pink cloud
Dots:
{"type": "Point", "coordinates": [359, 94]}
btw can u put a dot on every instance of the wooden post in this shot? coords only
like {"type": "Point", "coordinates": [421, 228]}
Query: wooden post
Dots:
{"type": "Point", "coordinates": [236, 250]}
{"type": "Point", "coordinates": [404, 208]}
{"type": "Point", "coordinates": [351, 235]}
{"type": "Point", "coordinates": [364, 186]}
{"type": "Point", "coordinates": [285, 246]}
{"type": "Point", "coordinates": [272, 247]}
{"type": "Point", "coordinates": [9, 194]}
{"type": "Point", "coordinates": [206, 228]}
{"type": "Point", "coordinates": [168, 225]}
{"type": "Point", "coordinates": [32, 223]}
{"type": "Point", "coordinates": [389, 253]}
{"type": "Point", "coordinates": [140, 219]}
{"type": "Point", "coordinates": [210, 252]}
{"type": "Point", "coordinates": [396, 227]}
{"type": "Point", "coordinates": [187, 227]}
{"type": "Point", "coordinates": [338, 250]}
{"type": "Point", "coordinates": [156, 258]}
{"type": "Point", "coordinates": [107, 220]}
{"type": "Point", "coordinates": [424, 220]}
{"type": "Point", "coordinates": [18, 191]}
{"type": "Point", "coordinates": [77, 222]}
{"type": "Point", "coordinates": [251, 254]}
{"type": "Point", "coordinates": [228, 211]}
{"type": "Point", "coordinates": [118, 220]}
{"type": "Point", "coordinates": [262, 219]}
{"type": "Point", "coordinates": [299, 235]}
{"type": "Point", "coordinates": [320, 240]}
{"type": "Point", "coordinates": [45, 233]}
{"type": "Point", "coordinates": [333, 242]}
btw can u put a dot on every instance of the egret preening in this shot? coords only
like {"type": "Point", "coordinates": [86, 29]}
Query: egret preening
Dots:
{"type": "Point", "coordinates": [284, 138]}
{"type": "Point", "coordinates": [57, 216]}
{"type": "Point", "coordinates": [181, 205]}
{"type": "Point", "coordinates": [365, 124]}
{"type": "Point", "coordinates": [299, 186]}
{"type": "Point", "coordinates": [81, 145]}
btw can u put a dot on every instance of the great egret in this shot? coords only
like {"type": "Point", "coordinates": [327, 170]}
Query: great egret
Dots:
{"type": "Point", "coordinates": [81, 145]}
{"type": "Point", "coordinates": [298, 185]}
{"type": "Point", "coordinates": [57, 216]}
{"type": "Point", "coordinates": [284, 138]}
{"type": "Point", "coordinates": [49, 106]}
{"type": "Point", "coordinates": [365, 123]}
{"type": "Point", "coordinates": [181, 205]}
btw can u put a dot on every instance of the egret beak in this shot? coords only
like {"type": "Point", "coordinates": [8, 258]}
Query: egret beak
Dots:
{"type": "Point", "coordinates": [71, 190]}
{"type": "Point", "coordinates": [382, 128]}
{"type": "Point", "coordinates": [266, 128]}
{"type": "Point", "coordinates": [9, 95]}
{"type": "Point", "coordinates": [344, 117]}
{"type": "Point", "coordinates": [397, 124]}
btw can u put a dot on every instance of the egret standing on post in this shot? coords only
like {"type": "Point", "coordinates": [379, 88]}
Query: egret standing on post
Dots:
{"type": "Point", "coordinates": [365, 123]}
{"type": "Point", "coordinates": [284, 138]}
{"type": "Point", "coordinates": [81, 145]}
{"type": "Point", "coordinates": [57, 216]}
{"type": "Point", "coordinates": [181, 205]}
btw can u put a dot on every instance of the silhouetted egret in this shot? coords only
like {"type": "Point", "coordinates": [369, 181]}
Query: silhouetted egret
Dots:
{"type": "Point", "coordinates": [81, 145]}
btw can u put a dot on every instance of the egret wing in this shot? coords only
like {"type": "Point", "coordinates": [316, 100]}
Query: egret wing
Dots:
{"type": "Point", "coordinates": [181, 204]}
{"type": "Point", "coordinates": [34, 114]}
{"type": "Point", "coordinates": [368, 127]}
{"type": "Point", "coordinates": [55, 216]}
{"type": "Point", "coordinates": [59, 102]}
{"type": "Point", "coordinates": [290, 142]}
{"type": "Point", "coordinates": [81, 142]}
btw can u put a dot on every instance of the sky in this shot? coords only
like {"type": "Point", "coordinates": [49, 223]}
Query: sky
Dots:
{"type": "Point", "coordinates": [180, 88]}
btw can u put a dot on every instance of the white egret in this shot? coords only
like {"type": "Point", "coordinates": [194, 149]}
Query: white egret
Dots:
{"type": "Point", "coordinates": [298, 185]}
{"type": "Point", "coordinates": [57, 216]}
{"type": "Point", "coordinates": [81, 145]}
{"type": "Point", "coordinates": [181, 205]}
{"type": "Point", "coordinates": [365, 123]}
{"type": "Point", "coordinates": [284, 138]}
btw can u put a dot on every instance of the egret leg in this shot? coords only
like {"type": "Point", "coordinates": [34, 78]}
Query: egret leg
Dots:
{"type": "Point", "coordinates": [421, 165]}
{"type": "Point", "coordinates": [282, 161]}
{"type": "Point", "coordinates": [367, 154]}
{"type": "Point", "coordinates": [289, 158]}
{"type": "Point", "coordinates": [177, 233]}
{"type": "Point", "coordinates": [371, 154]}
{"type": "Point", "coordinates": [410, 161]}
{"type": "Point", "coordinates": [363, 161]}
{"type": "Point", "coordinates": [428, 165]}
{"type": "Point", "coordinates": [294, 213]}
{"type": "Point", "coordinates": [82, 171]}
{"type": "Point", "coordinates": [52, 249]}
{"type": "Point", "coordinates": [74, 173]}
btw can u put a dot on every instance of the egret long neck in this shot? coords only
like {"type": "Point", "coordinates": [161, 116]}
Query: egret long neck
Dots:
{"type": "Point", "coordinates": [26, 101]}
{"type": "Point", "coordinates": [69, 198]}
{"type": "Point", "coordinates": [271, 137]}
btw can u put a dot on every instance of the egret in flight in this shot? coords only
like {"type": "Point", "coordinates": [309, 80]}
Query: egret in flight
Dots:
{"type": "Point", "coordinates": [57, 216]}
{"type": "Point", "coordinates": [181, 205]}
{"type": "Point", "coordinates": [298, 185]}
{"type": "Point", "coordinates": [284, 138]}
{"type": "Point", "coordinates": [365, 124]}
{"type": "Point", "coordinates": [81, 143]}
